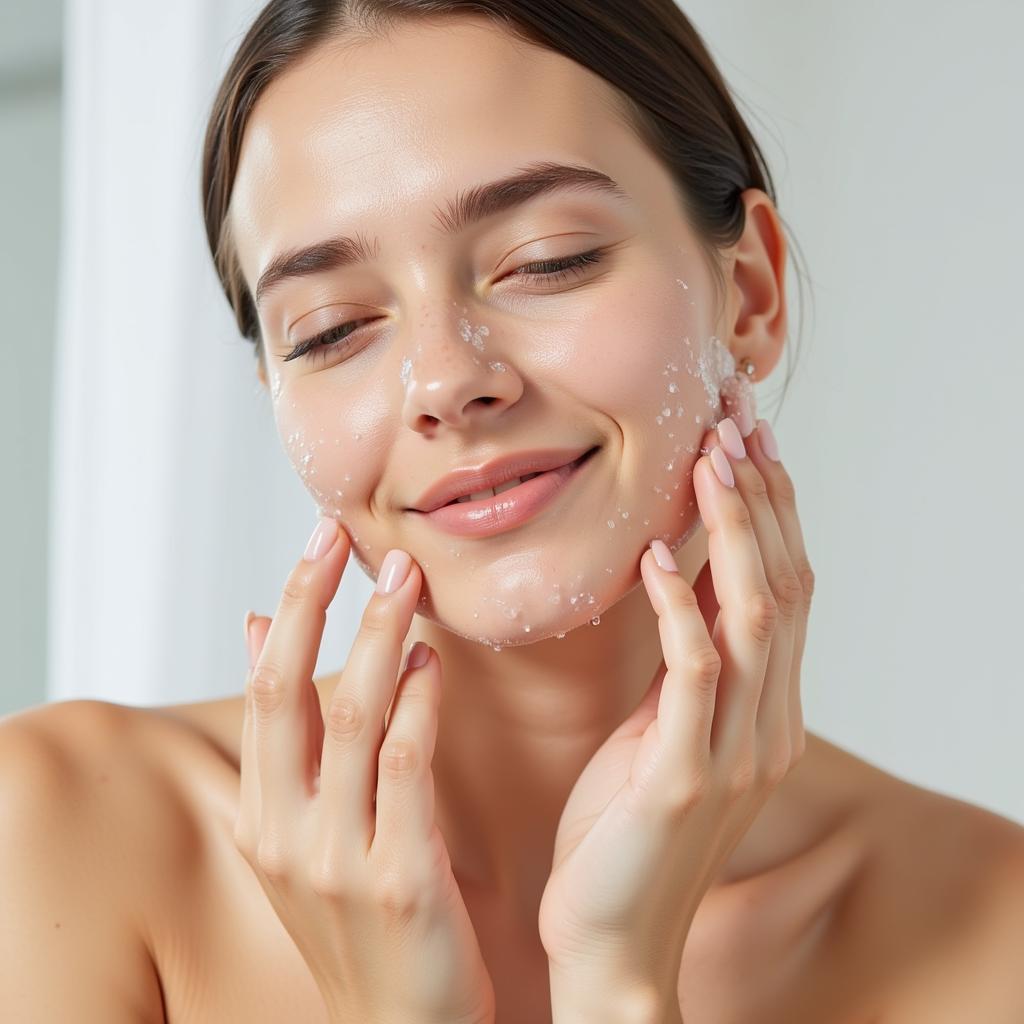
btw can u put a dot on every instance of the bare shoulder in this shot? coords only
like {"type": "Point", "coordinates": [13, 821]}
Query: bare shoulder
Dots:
{"type": "Point", "coordinates": [73, 793]}
{"type": "Point", "coordinates": [941, 896]}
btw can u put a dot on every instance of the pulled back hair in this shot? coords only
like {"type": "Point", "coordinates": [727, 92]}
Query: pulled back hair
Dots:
{"type": "Point", "coordinates": [672, 96]}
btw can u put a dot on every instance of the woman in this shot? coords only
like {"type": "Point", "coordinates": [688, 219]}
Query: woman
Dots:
{"type": "Point", "coordinates": [475, 243]}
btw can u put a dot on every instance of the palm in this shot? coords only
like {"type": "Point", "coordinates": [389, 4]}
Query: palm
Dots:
{"type": "Point", "coordinates": [597, 806]}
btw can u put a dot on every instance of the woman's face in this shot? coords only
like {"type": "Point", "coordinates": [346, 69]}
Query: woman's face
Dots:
{"type": "Point", "coordinates": [454, 355]}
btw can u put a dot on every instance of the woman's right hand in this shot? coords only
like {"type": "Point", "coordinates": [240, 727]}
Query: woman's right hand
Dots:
{"type": "Point", "coordinates": [336, 811]}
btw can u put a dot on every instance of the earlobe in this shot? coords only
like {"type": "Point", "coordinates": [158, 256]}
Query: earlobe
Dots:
{"type": "Point", "coordinates": [759, 270]}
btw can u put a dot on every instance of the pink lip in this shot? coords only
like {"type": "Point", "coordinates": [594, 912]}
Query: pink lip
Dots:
{"type": "Point", "coordinates": [511, 508]}
{"type": "Point", "coordinates": [471, 479]}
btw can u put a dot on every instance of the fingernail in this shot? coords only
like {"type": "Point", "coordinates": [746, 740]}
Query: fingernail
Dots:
{"type": "Point", "coordinates": [663, 556]}
{"type": "Point", "coordinates": [250, 647]}
{"type": "Point", "coordinates": [729, 435]}
{"type": "Point", "coordinates": [322, 540]}
{"type": "Point", "coordinates": [768, 442]}
{"type": "Point", "coordinates": [720, 464]}
{"type": "Point", "coordinates": [418, 655]}
{"type": "Point", "coordinates": [393, 571]}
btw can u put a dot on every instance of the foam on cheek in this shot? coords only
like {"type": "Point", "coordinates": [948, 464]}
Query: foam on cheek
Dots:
{"type": "Point", "coordinates": [320, 462]}
{"type": "Point", "coordinates": [563, 573]}
{"type": "Point", "coordinates": [543, 579]}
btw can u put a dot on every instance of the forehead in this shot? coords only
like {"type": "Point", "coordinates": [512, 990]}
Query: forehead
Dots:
{"type": "Point", "coordinates": [385, 128]}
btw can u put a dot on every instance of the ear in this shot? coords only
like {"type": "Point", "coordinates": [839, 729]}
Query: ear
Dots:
{"type": "Point", "coordinates": [758, 289]}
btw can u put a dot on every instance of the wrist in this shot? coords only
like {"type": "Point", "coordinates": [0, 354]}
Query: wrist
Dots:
{"type": "Point", "coordinates": [604, 1003]}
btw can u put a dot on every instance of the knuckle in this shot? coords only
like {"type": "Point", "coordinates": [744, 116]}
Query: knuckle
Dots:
{"type": "Point", "coordinates": [704, 665]}
{"type": "Point", "coordinates": [345, 717]}
{"type": "Point", "coordinates": [797, 748]}
{"type": "Point", "coordinates": [272, 860]}
{"type": "Point", "coordinates": [740, 780]}
{"type": "Point", "coordinates": [267, 686]}
{"type": "Point", "coordinates": [755, 485]}
{"type": "Point", "coordinates": [738, 515]}
{"type": "Point", "coordinates": [806, 576]}
{"type": "Point", "coordinates": [762, 615]}
{"type": "Point", "coordinates": [395, 895]}
{"type": "Point", "coordinates": [788, 593]}
{"type": "Point", "coordinates": [295, 590]}
{"type": "Point", "coordinates": [245, 841]}
{"type": "Point", "coordinates": [374, 627]}
{"type": "Point", "coordinates": [689, 793]}
{"type": "Point", "coordinates": [785, 492]}
{"type": "Point", "coordinates": [398, 757]}
{"type": "Point", "coordinates": [777, 766]}
{"type": "Point", "coordinates": [326, 880]}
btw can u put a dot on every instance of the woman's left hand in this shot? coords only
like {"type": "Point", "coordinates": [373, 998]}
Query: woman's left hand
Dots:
{"type": "Point", "coordinates": [659, 808]}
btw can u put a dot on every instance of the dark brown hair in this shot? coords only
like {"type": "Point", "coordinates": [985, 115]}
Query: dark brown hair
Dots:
{"type": "Point", "coordinates": [673, 97]}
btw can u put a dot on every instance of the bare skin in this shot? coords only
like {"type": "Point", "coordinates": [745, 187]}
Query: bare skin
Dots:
{"type": "Point", "coordinates": [854, 897]}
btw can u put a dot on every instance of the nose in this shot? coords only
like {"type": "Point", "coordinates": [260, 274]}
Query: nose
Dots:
{"type": "Point", "coordinates": [453, 373]}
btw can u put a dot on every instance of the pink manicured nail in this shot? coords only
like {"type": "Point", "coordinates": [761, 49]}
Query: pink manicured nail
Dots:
{"type": "Point", "coordinates": [768, 443]}
{"type": "Point", "coordinates": [745, 413]}
{"type": "Point", "coordinates": [393, 571]}
{"type": "Point", "coordinates": [729, 435]}
{"type": "Point", "coordinates": [418, 655]}
{"type": "Point", "coordinates": [720, 464]}
{"type": "Point", "coordinates": [663, 556]}
{"type": "Point", "coordinates": [249, 645]}
{"type": "Point", "coordinates": [322, 540]}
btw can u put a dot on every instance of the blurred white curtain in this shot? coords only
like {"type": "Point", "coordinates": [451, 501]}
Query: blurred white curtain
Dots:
{"type": "Point", "coordinates": [173, 505]}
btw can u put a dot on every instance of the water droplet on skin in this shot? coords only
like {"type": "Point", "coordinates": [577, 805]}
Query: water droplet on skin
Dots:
{"type": "Point", "coordinates": [673, 388]}
{"type": "Point", "coordinates": [496, 647]}
{"type": "Point", "coordinates": [559, 636]}
{"type": "Point", "coordinates": [596, 620]}
{"type": "Point", "coordinates": [611, 524]}
{"type": "Point", "coordinates": [526, 629]}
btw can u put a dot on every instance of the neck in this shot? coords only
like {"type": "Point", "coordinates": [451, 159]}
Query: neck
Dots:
{"type": "Point", "coordinates": [517, 727]}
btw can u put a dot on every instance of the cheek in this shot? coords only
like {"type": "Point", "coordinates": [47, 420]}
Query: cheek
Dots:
{"type": "Point", "coordinates": [336, 442]}
{"type": "Point", "coordinates": [652, 366]}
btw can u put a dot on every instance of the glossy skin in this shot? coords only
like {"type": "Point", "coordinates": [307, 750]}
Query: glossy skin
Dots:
{"type": "Point", "coordinates": [850, 897]}
{"type": "Point", "coordinates": [586, 361]}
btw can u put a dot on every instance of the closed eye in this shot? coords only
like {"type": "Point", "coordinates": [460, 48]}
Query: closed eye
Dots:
{"type": "Point", "coordinates": [557, 271]}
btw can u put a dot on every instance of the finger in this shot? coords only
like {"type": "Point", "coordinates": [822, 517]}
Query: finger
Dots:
{"type": "Point", "coordinates": [405, 782]}
{"type": "Point", "coordinates": [747, 616]}
{"type": "Point", "coordinates": [686, 705]}
{"type": "Point", "coordinates": [783, 498]}
{"type": "Point", "coordinates": [771, 712]}
{"type": "Point", "coordinates": [354, 723]}
{"type": "Point", "coordinates": [247, 822]}
{"type": "Point", "coordinates": [282, 685]}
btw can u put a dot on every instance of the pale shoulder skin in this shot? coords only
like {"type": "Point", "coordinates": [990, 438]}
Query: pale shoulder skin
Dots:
{"type": "Point", "coordinates": [855, 897]}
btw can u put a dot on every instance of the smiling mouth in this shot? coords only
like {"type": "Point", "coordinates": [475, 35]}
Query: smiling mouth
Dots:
{"type": "Point", "coordinates": [508, 485]}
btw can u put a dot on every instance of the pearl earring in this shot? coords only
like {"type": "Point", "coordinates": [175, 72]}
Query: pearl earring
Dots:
{"type": "Point", "coordinates": [746, 366]}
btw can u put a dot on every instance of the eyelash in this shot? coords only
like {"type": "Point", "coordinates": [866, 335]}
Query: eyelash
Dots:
{"type": "Point", "coordinates": [320, 344]}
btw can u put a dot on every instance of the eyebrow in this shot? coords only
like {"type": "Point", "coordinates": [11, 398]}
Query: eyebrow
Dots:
{"type": "Point", "coordinates": [467, 208]}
